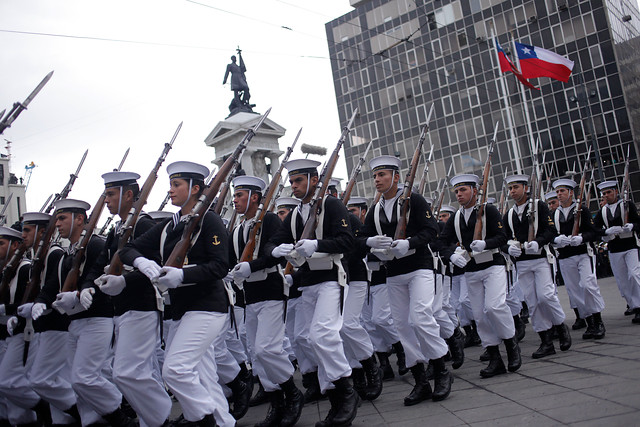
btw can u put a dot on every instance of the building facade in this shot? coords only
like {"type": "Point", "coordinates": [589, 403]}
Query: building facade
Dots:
{"type": "Point", "coordinates": [10, 184]}
{"type": "Point", "coordinates": [392, 59]}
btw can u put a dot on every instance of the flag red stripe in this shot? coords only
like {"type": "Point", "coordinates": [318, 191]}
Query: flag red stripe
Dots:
{"type": "Point", "coordinates": [534, 67]}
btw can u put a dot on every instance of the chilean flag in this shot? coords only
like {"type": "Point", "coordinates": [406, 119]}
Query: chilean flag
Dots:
{"type": "Point", "coordinates": [507, 65]}
{"type": "Point", "coordinates": [539, 62]}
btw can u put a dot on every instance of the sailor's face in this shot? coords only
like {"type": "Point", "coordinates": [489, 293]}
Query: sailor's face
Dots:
{"type": "Point", "coordinates": [300, 184]}
{"type": "Point", "coordinates": [444, 216]}
{"type": "Point", "coordinates": [179, 191]}
{"type": "Point", "coordinates": [384, 179]}
{"type": "Point", "coordinates": [564, 194]}
{"type": "Point", "coordinates": [240, 200]}
{"type": "Point", "coordinates": [553, 204]}
{"type": "Point", "coordinates": [610, 195]}
{"type": "Point", "coordinates": [516, 191]}
{"type": "Point", "coordinates": [464, 193]}
{"type": "Point", "coordinates": [283, 212]}
{"type": "Point", "coordinates": [64, 223]}
{"type": "Point", "coordinates": [4, 248]}
{"type": "Point", "coordinates": [112, 199]}
{"type": "Point", "coordinates": [28, 234]}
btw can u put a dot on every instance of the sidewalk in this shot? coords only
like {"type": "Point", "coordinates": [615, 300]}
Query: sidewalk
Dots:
{"type": "Point", "coordinates": [594, 383]}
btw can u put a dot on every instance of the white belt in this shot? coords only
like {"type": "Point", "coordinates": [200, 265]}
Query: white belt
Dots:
{"type": "Point", "coordinates": [260, 275]}
{"type": "Point", "coordinates": [484, 256]}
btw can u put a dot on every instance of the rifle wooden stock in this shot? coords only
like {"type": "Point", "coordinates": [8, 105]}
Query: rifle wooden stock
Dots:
{"type": "Point", "coordinates": [441, 197]}
{"type": "Point", "coordinates": [626, 187]}
{"type": "Point", "coordinates": [346, 195]}
{"type": "Point", "coordinates": [580, 200]}
{"type": "Point", "coordinates": [9, 271]}
{"type": "Point", "coordinates": [177, 256]}
{"type": "Point", "coordinates": [482, 193]}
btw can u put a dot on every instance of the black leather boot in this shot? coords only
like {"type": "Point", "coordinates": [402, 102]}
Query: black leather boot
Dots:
{"type": "Point", "coordinates": [312, 385]}
{"type": "Point", "coordinates": [387, 370]}
{"type": "Point", "coordinates": [43, 412]}
{"type": "Point", "coordinates": [73, 412]}
{"type": "Point", "coordinates": [514, 360]}
{"type": "Point", "coordinates": [524, 313]}
{"type": "Point", "coordinates": [359, 381]}
{"type": "Point", "coordinates": [207, 421]}
{"type": "Point", "coordinates": [442, 380]}
{"type": "Point", "coordinates": [579, 323]}
{"type": "Point", "coordinates": [119, 419]}
{"type": "Point", "coordinates": [422, 389]}
{"type": "Point", "coordinates": [564, 336]}
{"type": "Point", "coordinates": [260, 397]}
{"type": "Point", "coordinates": [374, 378]}
{"type": "Point", "coordinates": [546, 346]}
{"type": "Point", "coordinates": [636, 317]}
{"type": "Point", "coordinates": [241, 395]}
{"type": "Point", "coordinates": [598, 326]}
{"type": "Point", "coordinates": [588, 334]}
{"type": "Point", "coordinates": [276, 409]}
{"type": "Point", "coordinates": [521, 328]}
{"type": "Point", "coordinates": [333, 410]}
{"type": "Point", "coordinates": [4, 422]}
{"type": "Point", "coordinates": [429, 371]}
{"type": "Point", "coordinates": [348, 400]}
{"type": "Point", "coordinates": [456, 347]}
{"type": "Point", "coordinates": [402, 363]}
{"type": "Point", "coordinates": [293, 403]}
{"type": "Point", "coordinates": [485, 357]}
{"type": "Point", "coordinates": [496, 365]}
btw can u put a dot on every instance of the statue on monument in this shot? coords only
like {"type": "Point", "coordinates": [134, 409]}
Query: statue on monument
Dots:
{"type": "Point", "coordinates": [239, 85]}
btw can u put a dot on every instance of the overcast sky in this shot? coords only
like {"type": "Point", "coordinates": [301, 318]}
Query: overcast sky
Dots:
{"type": "Point", "coordinates": [110, 95]}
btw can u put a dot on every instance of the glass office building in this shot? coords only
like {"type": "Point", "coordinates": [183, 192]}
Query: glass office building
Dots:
{"type": "Point", "coordinates": [392, 59]}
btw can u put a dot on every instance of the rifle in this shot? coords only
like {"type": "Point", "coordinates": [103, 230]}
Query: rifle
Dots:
{"type": "Point", "coordinates": [39, 258]}
{"type": "Point", "coordinates": [404, 200]}
{"type": "Point", "coordinates": [18, 107]}
{"type": "Point", "coordinates": [578, 211]}
{"type": "Point", "coordinates": [3, 219]}
{"type": "Point", "coordinates": [423, 181]}
{"type": "Point", "coordinates": [115, 266]}
{"type": "Point", "coordinates": [44, 205]}
{"type": "Point", "coordinates": [219, 201]}
{"type": "Point", "coordinates": [445, 185]}
{"type": "Point", "coordinates": [482, 193]}
{"type": "Point", "coordinates": [110, 219]}
{"type": "Point", "coordinates": [626, 187]}
{"type": "Point", "coordinates": [346, 195]}
{"type": "Point", "coordinates": [256, 227]}
{"type": "Point", "coordinates": [177, 256]}
{"type": "Point", "coordinates": [533, 190]}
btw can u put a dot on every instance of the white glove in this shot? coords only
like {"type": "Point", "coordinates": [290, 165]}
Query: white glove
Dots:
{"type": "Point", "coordinates": [282, 250]}
{"type": "Point", "coordinates": [37, 310]}
{"type": "Point", "coordinates": [606, 238]}
{"type": "Point", "coordinates": [306, 247]}
{"type": "Point", "coordinates": [111, 285]}
{"type": "Point", "coordinates": [12, 323]}
{"type": "Point", "coordinates": [241, 271]}
{"type": "Point", "coordinates": [478, 245]}
{"type": "Point", "coordinates": [379, 242]}
{"type": "Point", "coordinates": [66, 301]}
{"type": "Point", "coordinates": [171, 278]}
{"type": "Point", "coordinates": [515, 251]}
{"type": "Point", "coordinates": [400, 248]}
{"type": "Point", "coordinates": [458, 260]}
{"type": "Point", "coordinates": [228, 277]}
{"type": "Point", "coordinates": [25, 310]}
{"type": "Point", "coordinates": [531, 247]}
{"type": "Point", "coordinates": [627, 228]}
{"type": "Point", "coordinates": [86, 297]}
{"type": "Point", "coordinates": [149, 268]}
{"type": "Point", "coordinates": [575, 240]}
{"type": "Point", "coordinates": [3, 310]}
{"type": "Point", "coordinates": [611, 231]}
{"type": "Point", "coordinates": [561, 241]}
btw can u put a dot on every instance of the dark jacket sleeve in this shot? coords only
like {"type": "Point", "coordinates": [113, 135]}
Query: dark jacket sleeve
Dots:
{"type": "Point", "coordinates": [271, 225]}
{"type": "Point", "coordinates": [546, 228]}
{"type": "Point", "coordinates": [147, 245]}
{"type": "Point", "coordinates": [446, 243]}
{"type": "Point", "coordinates": [421, 217]}
{"type": "Point", "coordinates": [51, 285]}
{"type": "Point", "coordinates": [91, 270]}
{"type": "Point", "coordinates": [283, 235]}
{"type": "Point", "coordinates": [496, 235]}
{"type": "Point", "coordinates": [587, 228]}
{"type": "Point", "coordinates": [135, 278]}
{"type": "Point", "coordinates": [217, 267]}
{"type": "Point", "coordinates": [634, 218]}
{"type": "Point", "coordinates": [337, 217]}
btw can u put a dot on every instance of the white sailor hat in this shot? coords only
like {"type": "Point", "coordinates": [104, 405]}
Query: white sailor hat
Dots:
{"type": "Point", "coordinates": [491, 200]}
{"type": "Point", "coordinates": [607, 184]}
{"type": "Point", "coordinates": [119, 179]}
{"type": "Point", "coordinates": [517, 178]}
{"type": "Point", "coordinates": [246, 182]}
{"type": "Point", "coordinates": [187, 170]}
{"type": "Point", "coordinates": [564, 182]}
{"type": "Point", "coordinates": [429, 200]}
{"type": "Point", "coordinates": [384, 162]}
{"type": "Point", "coordinates": [447, 208]}
{"type": "Point", "coordinates": [550, 195]}
{"type": "Point", "coordinates": [157, 215]}
{"type": "Point", "coordinates": [358, 201]}
{"type": "Point", "coordinates": [287, 202]}
{"type": "Point", "coordinates": [71, 205]}
{"type": "Point", "coordinates": [334, 182]}
{"type": "Point", "coordinates": [35, 217]}
{"type": "Point", "coordinates": [9, 233]}
{"type": "Point", "coordinates": [298, 166]}
{"type": "Point", "coordinates": [465, 179]}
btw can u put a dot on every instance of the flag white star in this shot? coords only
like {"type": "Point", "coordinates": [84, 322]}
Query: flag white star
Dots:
{"type": "Point", "coordinates": [526, 50]}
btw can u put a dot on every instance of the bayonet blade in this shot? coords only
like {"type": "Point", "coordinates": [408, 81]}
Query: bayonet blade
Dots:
{"type": "Point", "coordinates": [37, 90]}
{"type": "Point", "coordinates": [124, 158]}
{"type": "Point", "coordinates": [84, 156]}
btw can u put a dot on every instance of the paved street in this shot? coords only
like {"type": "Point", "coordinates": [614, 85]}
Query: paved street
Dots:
{"type": "Point", "coordinates": [594, 383]}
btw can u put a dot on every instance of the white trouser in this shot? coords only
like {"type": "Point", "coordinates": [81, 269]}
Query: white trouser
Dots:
{"type": "Point", "coordinates": [460, 299]}
{"type": "Point", "coordinates": [626, 269]}
{"type": "Point", "coordinates": [189, 340]}
{"type": "Point", "coordinates": [14, 386]}
{"type": "Point", "coordinates": [289, 328]}
{"type": "Point", "coordinates": [580, 279]}
{"type": "Point", "coordinates": [446, 301]}
{"type": "Point", "coordinates": [237, 344]}
{"type": "Point", "coordinates": [208, 373]}
{"type": "Point", "coordinates": [227, 367]}
{"type": "Point", "coordinates": [411, 297]}
{"type": "Point", "coordinates": [357, 344]}
{"type": "Point", "coordinates": [3, 402]}
{"type": "Point", "coordinates": [442, 317]}
{"type": "Point", "coordinates": [133, 366]}
{"type": "Point", "coordinates": [307, 359]}
{"type": "Point", "coordinates": [534, 277]}
{"type": "Point", "coordinates": [487, 293]}
{"type": "Point", "coordinates": [90, 343]}
{"type": "Point", "coordinates": [50, 375]}
{"type": "Point", "coordinates": [324, 332]}
{"type": "Point", "coordinates": [514, 298]}
{"type": "Point", "coordinates": [377, 319]}
{"type": "Point", "coordinates": [265, 331]}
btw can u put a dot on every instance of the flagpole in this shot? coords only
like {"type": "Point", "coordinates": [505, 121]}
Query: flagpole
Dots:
{"type": "Point", "coordinates": [525, 102]}
{"type": "Point", "coordinates": [505, 97]}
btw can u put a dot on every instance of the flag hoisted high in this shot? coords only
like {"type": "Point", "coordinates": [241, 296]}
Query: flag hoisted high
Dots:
{"type": "Point", "coordinates": [507, 65]}
{"type": "Point", "coordinates": [539, 62]}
